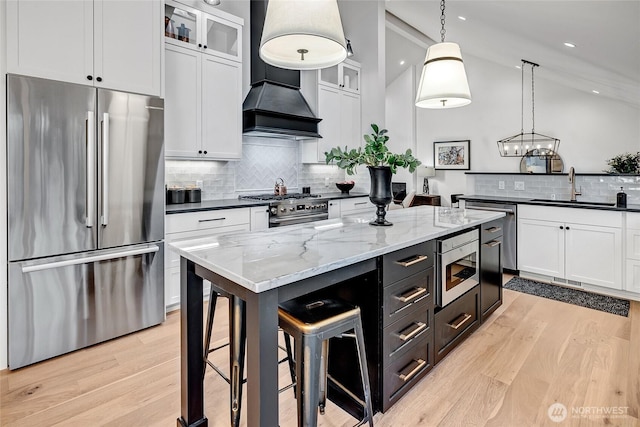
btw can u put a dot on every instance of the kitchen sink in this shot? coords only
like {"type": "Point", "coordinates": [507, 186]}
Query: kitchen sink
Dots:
{"type": "Point", "coordinates": [577, 202]}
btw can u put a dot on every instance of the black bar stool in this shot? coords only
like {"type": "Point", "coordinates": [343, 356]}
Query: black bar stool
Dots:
{"type": "Point", "coordinates": [312, 323]}
{"type": "Point", "coordinates": [237, 345]}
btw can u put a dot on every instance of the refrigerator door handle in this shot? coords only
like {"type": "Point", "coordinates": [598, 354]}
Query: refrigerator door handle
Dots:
{"type": "Point", "coordinates": [105, 169]}
{"type": "Point", "coordinates": [90, 167]}
{"type": "Point", "coordinates": [88, 259]}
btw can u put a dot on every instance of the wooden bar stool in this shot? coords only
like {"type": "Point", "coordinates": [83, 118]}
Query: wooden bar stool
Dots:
{"type": "Point", "coordinates": [312, 322]}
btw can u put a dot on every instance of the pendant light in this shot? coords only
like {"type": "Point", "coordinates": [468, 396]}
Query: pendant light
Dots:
{"type": "Point", "coordinates": [532, 143]}
{"type": "Point", "coordinates": [303, 35]}
{"type": "Point", "coordinates": [443, 83]}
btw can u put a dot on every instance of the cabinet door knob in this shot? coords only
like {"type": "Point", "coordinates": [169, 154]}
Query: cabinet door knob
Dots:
{"type": "Point", "coordinates": [567, 227]}
{"type": "Point", "coordinates": [205, 46]}
{"type": "Point", "coordinates": [561, 228]}
{"type": "Point", "coordinates": [89, 77]}
{"type": "Point", "coordinates": [199, 44]}
{"type": "Point", "coordinates": [199, 151]}
{"type": "Point", "coordinates": [99, 79]}
{"type": "Point", "coordinates": [205, 151]}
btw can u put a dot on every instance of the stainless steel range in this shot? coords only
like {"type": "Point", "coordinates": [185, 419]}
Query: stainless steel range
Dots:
{"type": "Point", "coordinates": [293, 208]}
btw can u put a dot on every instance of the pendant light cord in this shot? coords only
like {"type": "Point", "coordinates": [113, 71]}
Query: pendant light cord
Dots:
{"type": "Point", "coordinates": [533, 104]}
{"type": "Point", "coordinates": [521, 100]}
{"type": "Point", "coordinates": [442, 30]}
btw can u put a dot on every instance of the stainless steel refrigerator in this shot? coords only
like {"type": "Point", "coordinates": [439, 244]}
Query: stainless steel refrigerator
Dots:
{"type": "Point", "coordinates": [85, 177]}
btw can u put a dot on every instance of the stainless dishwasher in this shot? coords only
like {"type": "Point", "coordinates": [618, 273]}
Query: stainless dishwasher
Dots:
{"type": "Point", "coordinates": [509, 254]}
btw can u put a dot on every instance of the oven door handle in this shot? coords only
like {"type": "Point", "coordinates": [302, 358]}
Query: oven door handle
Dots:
{"type": "Point", "coordinates": [298, 218]}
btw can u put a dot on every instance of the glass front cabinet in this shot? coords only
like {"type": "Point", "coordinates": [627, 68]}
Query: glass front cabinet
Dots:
{"type": "Point", "coordinates": [189, 27]}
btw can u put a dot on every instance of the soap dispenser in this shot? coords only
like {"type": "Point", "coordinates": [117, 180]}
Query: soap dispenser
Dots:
{"type": "Point", "coordinates": [621, 199]}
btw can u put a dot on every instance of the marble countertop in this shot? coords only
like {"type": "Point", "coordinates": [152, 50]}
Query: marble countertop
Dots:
{"type": "Point", "coordinates": [555, 203]}
{"type": "Point", "coordinates": [267, 259]}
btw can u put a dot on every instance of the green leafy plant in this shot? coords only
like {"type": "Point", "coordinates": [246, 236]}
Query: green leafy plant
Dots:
{"type": "Point", "coordinates": [624, 163]}
{"type": "Point", "coordinates": [375, 153]}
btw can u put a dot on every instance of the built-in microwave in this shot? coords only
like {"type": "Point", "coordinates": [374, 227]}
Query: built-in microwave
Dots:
{"type": "Point", "coordinates": [457, 266]}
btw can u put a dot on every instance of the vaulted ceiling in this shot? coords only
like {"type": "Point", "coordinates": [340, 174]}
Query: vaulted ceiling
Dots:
{"type": "Point", "coordinates": [606, 35]}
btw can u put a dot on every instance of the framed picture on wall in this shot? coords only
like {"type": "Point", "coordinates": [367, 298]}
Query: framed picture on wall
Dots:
{"type": "Point", "coordinates": [452, 155]}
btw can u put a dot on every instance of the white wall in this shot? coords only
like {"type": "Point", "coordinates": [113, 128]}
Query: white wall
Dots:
{"type": "Point", "coordinates": [363, 23]}
{"type": "Point", "coordinates": [591, 128]}
{"type": "Point", "coordinates": [400, 121]}
{"type": "Point", "coordinates": [3, 197]}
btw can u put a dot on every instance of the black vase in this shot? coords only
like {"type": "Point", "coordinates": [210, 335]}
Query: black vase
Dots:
{"type": "Point", "coordinates": [380, 194]}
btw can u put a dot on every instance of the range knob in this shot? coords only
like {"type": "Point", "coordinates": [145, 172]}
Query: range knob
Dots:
{"type": "Point", "coordinates": [283, 209]}
{"type": "Point", "coordinates": [273, 210]}
{"type": "Point", "coordinates": [291, 209]}
{"type": "Point", "coordinates": [307, 207]}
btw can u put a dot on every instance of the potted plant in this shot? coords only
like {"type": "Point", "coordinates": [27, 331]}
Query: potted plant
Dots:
{"type": "Point", "coordinates": [624, 163]}
{"type": "Point", "coordinates": [382, 164]}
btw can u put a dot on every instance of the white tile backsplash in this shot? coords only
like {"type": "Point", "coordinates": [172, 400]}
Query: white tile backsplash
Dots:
{"type": "Point", "coordinates": [595, 188]}
{"type": "Point", "coordinates": [263, 161]}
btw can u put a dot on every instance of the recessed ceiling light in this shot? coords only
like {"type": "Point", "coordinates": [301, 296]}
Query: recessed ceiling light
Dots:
{"type": "Point", "coordinates": [402, 62]}
{"type": "Point", "coordinates": [567, 44]}
{"type": "Point", "coordinates": [595, 91]}
{"type": "Point", "coordinates": [462, 18]}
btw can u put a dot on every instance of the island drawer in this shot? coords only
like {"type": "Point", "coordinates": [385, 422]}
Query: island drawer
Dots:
{"type": "Point", "coordinates": [405, 371]}
{"type": "Point", "coordinates": [491, 230]}
{"type": "Point", "coordinates": [402, 296]}
{"type": "Point", "coordinates": [406, 262]}
{"type": "Point", "coordinates": [456, 321]}
{"type": "Point", "coordinates": [407, 332]}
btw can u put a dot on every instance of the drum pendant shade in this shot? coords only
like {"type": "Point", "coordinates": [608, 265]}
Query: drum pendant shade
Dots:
{"type": "Point", "coordinates": [443, 83]}
{"type": "Point", "coordinates": [303, 34]}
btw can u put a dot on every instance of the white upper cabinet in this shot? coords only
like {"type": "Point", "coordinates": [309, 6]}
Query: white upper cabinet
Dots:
{"type": "Point", "coordinates": [340, 110]}
{"type": "Point", "coordinates": [103, 43]}
{"type": "Point", "coordinates": [192, 28]}
{"type": "Point", "coordinates": [203, 87]}
{"type": "Point", "coordinates": [345, 76]}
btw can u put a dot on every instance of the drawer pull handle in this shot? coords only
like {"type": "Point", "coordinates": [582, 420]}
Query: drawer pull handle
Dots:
{"type": "Point", "coordinates": [420, 327]}
{"type": "Point", "coordinates": [408, 262]}
{"type": "Point", "coordinates": [212, 219]}
{"type": "Point", "coordinates": [415, 293]}
{"type": "Point", "coordinates": [460, 320]}
{"type": "Point", "coordinates": [420, 364]}
{"type": "Point", "coordinates": [492, 243]}
{"type": "Point", "coordinates": [360, 203]}
{"type": "Point", "coordinates": [494, 229]}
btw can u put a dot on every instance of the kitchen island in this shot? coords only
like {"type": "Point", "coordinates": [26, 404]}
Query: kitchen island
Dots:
{"type": "Point", "coordinates": [268, 267]}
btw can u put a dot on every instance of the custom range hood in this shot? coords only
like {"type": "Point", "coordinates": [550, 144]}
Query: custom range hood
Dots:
{"type": "Point", "coordinates": [275, 106]}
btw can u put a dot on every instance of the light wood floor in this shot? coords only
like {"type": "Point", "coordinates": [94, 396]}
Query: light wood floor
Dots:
{"type": "Point", "coordinates": [531, 353]}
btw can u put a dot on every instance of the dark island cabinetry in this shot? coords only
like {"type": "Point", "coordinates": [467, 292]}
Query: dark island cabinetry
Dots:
{"type": "Point", "coordinates": [490, 267]}
{"type": "Point", "coordinates": [407, 319]}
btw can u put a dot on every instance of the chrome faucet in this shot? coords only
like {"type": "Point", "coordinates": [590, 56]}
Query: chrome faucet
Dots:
{"type": "Point", "coordinates": [572, 180]}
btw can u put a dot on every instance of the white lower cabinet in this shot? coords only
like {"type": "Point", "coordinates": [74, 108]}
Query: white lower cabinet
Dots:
{"type": "Point", "coordinates": [541, 247]}
{"type": "Point", "coordinates": [357, 205]}
{"type": "Point", "coordinates": [191, 225]}
{"type": "Point", "coordinates": [334, 209]}
{"type": "Point", "coordinates": [259, 218]}
{"type": "Point", "coordinates": [632, 246]}
{"type": "Point", "coordinates": [564, 243]}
